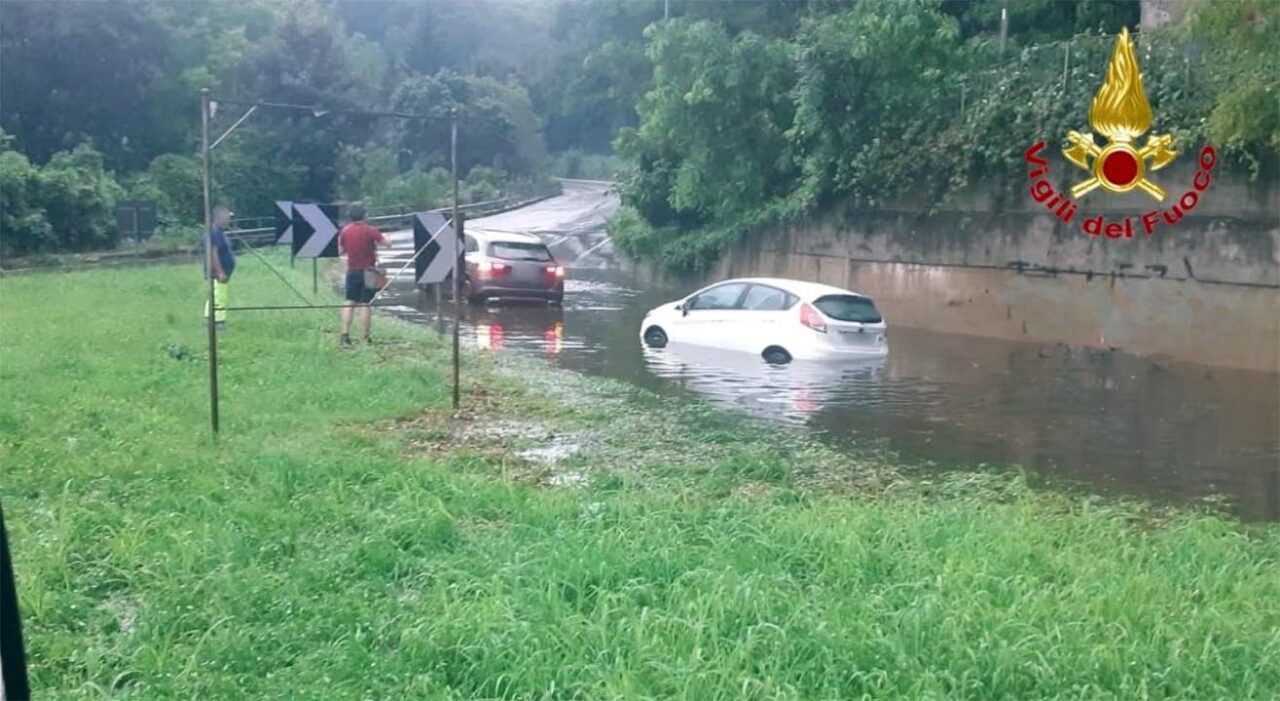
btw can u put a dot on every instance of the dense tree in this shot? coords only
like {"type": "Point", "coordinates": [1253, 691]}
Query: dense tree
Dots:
{"type": "Point", "coordinates": [713, 123]}
{"type": "Point", "coordinates": [305, 62]}
{"type": "Point", "coordinates": [497, 118]}
{"type": "Point", "coordinates": [80, 72]}
{"type": "Point", "coordinates": [865, 78]}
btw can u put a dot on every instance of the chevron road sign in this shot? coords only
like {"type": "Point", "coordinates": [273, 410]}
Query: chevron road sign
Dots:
{"type": "Point", "coordinates": [315, 230]}
{"type": "Point", "coordinates": [284, 221]}
{"type": "Point", "coordinates": [437, 244]}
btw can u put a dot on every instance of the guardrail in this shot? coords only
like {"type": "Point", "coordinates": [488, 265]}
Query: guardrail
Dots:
{"type": "Point", "coordinates": [266, 235]}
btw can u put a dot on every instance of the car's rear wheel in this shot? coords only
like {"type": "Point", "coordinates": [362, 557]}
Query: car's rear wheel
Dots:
{"type": "Point", "coordinates": [655, 337]}
{"type": "Point", "coordinates": [776, 355]}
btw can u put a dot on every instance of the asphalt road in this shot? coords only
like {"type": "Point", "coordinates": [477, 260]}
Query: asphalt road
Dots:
{"type": "Point", "coordinates": [573, 225]}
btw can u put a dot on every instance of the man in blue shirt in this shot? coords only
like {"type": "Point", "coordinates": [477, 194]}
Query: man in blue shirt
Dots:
{"type": "Point", "coordinates": [224, 263]}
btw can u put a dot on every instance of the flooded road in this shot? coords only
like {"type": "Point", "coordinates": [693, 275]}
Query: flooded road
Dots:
{"type": "Point", "coordinates": [1106, 420]}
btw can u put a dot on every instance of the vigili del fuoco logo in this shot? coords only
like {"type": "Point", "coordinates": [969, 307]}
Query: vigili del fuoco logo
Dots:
{"type": "Point", "coordinates": [1120, 114]}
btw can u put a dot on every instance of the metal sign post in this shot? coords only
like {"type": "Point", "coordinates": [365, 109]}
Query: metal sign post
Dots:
{"type": "Point", "coordinates": [209, 254]}
{"type": "Point", "coordinates": [458, 266]}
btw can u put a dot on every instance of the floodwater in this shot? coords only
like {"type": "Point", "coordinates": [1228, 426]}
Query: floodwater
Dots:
{"type": "Point", "coordinates": [1105, 420]}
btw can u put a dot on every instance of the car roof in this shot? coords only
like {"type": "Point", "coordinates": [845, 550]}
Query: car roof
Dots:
{"type": "Point", "coordinates": [503, 236]}
{"type": "Point", "coordinates": [801, 288]}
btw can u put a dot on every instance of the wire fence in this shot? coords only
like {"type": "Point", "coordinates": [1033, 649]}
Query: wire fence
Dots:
{"type": "Point", "coordinates": [1076, 68]}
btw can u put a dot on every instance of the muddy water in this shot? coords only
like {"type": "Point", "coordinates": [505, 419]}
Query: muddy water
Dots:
{"type": "Point", "coordinates": [1108, 421]}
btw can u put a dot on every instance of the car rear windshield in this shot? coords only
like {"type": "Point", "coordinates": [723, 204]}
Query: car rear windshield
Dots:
{"type": "Point", "coordinates": [508, 250]}
{"type": "Point", "coordinates": [849, 308]}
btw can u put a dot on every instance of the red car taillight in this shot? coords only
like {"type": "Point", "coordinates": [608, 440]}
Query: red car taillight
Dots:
{"type": "Point", "coordinates": [811, 318]}
{"type": "Point", "coordinates": [489, 268]}
{"type": "Point", "coordinates": [555, 272]}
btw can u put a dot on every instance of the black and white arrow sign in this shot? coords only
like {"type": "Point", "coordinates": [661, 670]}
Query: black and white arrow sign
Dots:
{"type": "Point", "coordinates": [315, 231]}
{"type": "Point", "coordinates": [437, 247]}
{"type": "Point", "coordinates": [284, 221]}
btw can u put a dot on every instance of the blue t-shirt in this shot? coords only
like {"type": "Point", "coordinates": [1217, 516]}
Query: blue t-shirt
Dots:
{"type": "Point", "coordinates": [225, 255]}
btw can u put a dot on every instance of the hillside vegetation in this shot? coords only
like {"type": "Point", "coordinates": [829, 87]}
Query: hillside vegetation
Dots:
{"type": "Point", "coordinates": [912, 101]}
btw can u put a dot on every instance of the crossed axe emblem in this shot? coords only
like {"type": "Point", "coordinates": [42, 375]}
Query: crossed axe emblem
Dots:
{"type": "Point", "coordinates": [1118, 166]}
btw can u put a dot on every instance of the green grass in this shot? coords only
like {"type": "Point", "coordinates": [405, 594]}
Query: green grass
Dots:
{"type": "Point", "coordinates": [348, 538]}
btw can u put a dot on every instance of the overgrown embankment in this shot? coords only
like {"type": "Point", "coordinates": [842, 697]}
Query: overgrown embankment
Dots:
{"type": "Point", "coordinates": [563, 537]}
{"type": "Point", "coordinates": [891, 106]}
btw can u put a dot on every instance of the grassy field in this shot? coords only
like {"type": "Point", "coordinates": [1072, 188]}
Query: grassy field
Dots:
{"type": "Point", "coordinates": [349, 539]}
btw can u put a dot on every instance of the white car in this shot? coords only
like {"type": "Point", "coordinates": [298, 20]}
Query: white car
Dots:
{"type": "Point", "coordinates": [775, 319]}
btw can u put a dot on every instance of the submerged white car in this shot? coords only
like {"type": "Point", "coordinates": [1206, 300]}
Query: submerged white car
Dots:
{"type": "Point", "coordinates": [778, 320]}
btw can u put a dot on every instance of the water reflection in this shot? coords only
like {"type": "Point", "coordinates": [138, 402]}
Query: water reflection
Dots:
{"type": "Point", "coordinates": [530, 327]}
{"type": "Point", "coordinates": [743, 381]}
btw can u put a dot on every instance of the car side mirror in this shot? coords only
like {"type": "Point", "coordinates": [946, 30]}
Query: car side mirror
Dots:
{"type": "Point", "coordinates": [684, 308]}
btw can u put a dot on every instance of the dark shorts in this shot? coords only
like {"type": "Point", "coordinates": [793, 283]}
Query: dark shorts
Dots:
{"type": "Point", "coordinates": [356, 291]}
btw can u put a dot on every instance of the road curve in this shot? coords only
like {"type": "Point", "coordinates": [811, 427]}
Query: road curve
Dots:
{"type": "Point", "coordinates": [573, 224]}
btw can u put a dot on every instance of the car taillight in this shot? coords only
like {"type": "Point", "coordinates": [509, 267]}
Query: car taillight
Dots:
{"type": "Point", "coordinates": [811, 318]}
{"type": "Point", "coordinates": [554, 271]}
{"type": "Point", "coordinates": [489, 268]}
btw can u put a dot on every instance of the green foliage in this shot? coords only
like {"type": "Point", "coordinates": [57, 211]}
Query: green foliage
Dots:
{"type": "Point", "coordinates": [1245, 63]}
{"type": "Point", "coordinates": [711, 140]}
{"type": "Point", "coordinates": [910, 102]}
{"type": "Point", "coordinates": [126, 80]}
{"type": "Point", "coordinates": [1034, 22]}
{"type": "Point", "coordinates": [67, 204]}
{"type": "Point", "coordinates": [417, 189]}
{"type": "Point", "coordinates": [79, 197]}
{"type": "Point", "coordinates": [674, 249]}
{"type": "Point", "coordinates": [250, 182]}
{"type": "Point", "coordinates": [23, 224]}
{"type": "Point", "coordinates": [575, 163]}
{"type": "Point", "coordinates": [498, 126]}
{"type": "Point", "coordinates": [180, 187]}
{"type": "Point", "coordinates": [372, 176]}
{"type": "Point", "coordinates": [866, 97]}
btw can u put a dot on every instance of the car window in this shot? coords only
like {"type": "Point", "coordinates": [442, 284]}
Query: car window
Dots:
{"type": "Point", "coordinates": [513, 250]}
{"type": "Point", "coordinates": [471, 245]}
{"type": "Point", "coordinates": [719, 297]}
{"type": "Point", "coordinates": [849, 308]}
{"type": "Point", "coordinates": [762, 298]}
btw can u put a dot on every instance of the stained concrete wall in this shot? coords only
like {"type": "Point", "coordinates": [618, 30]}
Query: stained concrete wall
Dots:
{"type": "Point", "coordinates": [1206, 290]}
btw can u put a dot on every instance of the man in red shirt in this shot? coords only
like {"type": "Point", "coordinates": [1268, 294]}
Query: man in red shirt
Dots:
{"type": "Point", "coordinates": [359, 242]}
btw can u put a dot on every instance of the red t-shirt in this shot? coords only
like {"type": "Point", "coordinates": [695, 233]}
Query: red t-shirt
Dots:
{"type": "Point", "coordinates": [360, 242]}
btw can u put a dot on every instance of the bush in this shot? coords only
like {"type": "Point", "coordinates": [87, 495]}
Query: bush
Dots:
{"type": "Point", "coordinates": [79, 198]}
{"type": "Point", "coordinates": [417, 189]}
{"type": "Point", "coordinates": [179, 187]}
{"type": "Point", "coordinates": [23, 226]}
{"type": "Point", "coordinates": [68, 204]}
{"type": "Point", "coordinates": [482, 184]}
